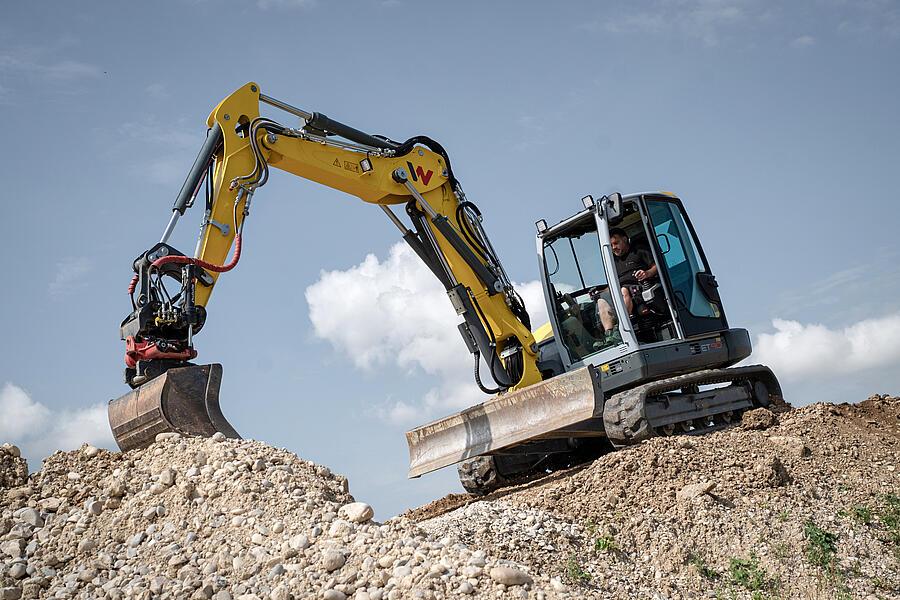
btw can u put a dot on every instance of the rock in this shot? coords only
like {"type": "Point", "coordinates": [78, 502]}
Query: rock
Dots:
{"type": "Point", "coordinates": [218, 436]}
{"type": "Point", "coordinates": [94, 507]}
{"type": "Point", "coordinates": [758, 419]}
{"type": "Point", "coordinates": [32, 517]}
{"type": "Point", "coordinates": [10, 593]}
{"type": "Point", "coordinates": [167, 435]}
{"type": "Point", "coordinates": [12, 450]}
{"type": "Point", "coordinates": [357, 512]}
{"type": "Point", "coordinates": [299, 542]}
{"type": "Point", "coordinates": [334, 595]}
{"type": "Point", "coordinates": [465, 588]}
{"type": "Point", "coordinates": [793, 445]}
{"type": "Point", "coordinates": [18, 571]}
{"type": "Point", "coordinates": [13, 548]}
{"type": "Point", "coordinates": [90, 451]}
{"type": "Point", "coordinates": [510, 576]}
{"type": "Point", "coordinates": [333, 560]}
{"type": "Point", "coordinates": [167, 477]}
{"type": "Point", "coordinates": [692, 492]}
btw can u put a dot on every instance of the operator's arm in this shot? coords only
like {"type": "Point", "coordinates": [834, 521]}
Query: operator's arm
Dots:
{"type": "Point", "coordinates": [651, 271]}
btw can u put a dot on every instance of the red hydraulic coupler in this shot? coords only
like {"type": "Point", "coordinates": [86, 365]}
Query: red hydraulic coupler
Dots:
{"type": "Point", "coordinates": [135, 351]}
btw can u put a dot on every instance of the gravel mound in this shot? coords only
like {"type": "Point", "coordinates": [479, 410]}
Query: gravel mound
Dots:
{"type": "Point", "coordinates": [13, 468]}
{"type": "Point", "coordinates": [223, 519]}
{"type": "Point", "coordinates": [802, 504]}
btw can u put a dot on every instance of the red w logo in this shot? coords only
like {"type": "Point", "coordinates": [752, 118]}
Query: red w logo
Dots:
{"type": "Point", "coordinates": [426, 177]}
{"type": "Point", "coordinates": [419, 172]}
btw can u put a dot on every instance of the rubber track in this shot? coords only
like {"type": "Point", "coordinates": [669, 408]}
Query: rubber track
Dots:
{"type": "Point", "coordinates": [479, 475]}
{"type": "Point", "coordinates": [624, 415]}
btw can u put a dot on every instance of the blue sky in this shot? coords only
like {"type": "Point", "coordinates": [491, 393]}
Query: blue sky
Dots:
{"type": "Point", "coordinates": [776, 123]}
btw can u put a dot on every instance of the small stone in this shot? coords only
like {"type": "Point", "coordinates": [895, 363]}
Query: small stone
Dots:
{"type": "Point", "coordinates": [32, 517]}
{"type": "Point", "coordinates": [18, 571]}
{"type": "Point", "coordinates": [357, 512]}
{"type": "Point", "coordinates": [333, 560]}
{"type": "Point", "coordinates": [167, 435]}
{"type": "Point", "coordinates": [218, 436]}
{"type": "Point", "coordinates": [49, 504]}
{"type": "Point", "coordinates": [167, 477]}
{"type": "Point", "coordinates": [12, 450]}
{"type": "Point", "coordinates": [557, 585]}
{"type": "Point", "coordinates": [95, 507]}
{"type": "Point", "coordinates": [386, 561]}
{"type": "Point", "coordinates": [86, 545]}
{"type": "Point", "coordinates": [465, 588]}
{"type": "Point", "coordinates": [73, 476]}
{"type": "Point", "coordinates": [510, 576]}
{"type": "Point", "coordinates": [758, 419]}
{"type": "Point", "coordinates": [222, 595]}
{"type": "Point", "coordinates": [136, 539]}
{"type": "Point", "coordinates": [334, 595]}
{"type": "Point", "coordinates": [692, 492]}
{"type": "Point", "coordinates": [13, 548]}
{"type": "Point", "coordinates": [792, 444]}
{"type": "Point", "coordinates": [299, 542]}
{"type": "Point", "coordinates": [10, 593]}
{"type": "Point", "coordinates": [277, 527]}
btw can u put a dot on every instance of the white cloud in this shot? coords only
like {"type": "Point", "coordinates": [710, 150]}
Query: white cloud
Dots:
{"type": "Point", "coordinates": [21, 414]}
{"type": "Point", "coordinates": [158, 91]}
{"type": "Point", "coordinates": [395, 313]}
{"type": "Point", "coordinates": [69, 276]}
{"type": "Point", "coordinates": [60, 71]}
{"type": "Point", "coordinates": [698, 19]}
{"type": "Point", "coordinates": [40, 431]}
{"type": "Point", "coordinates": [152, 132]}
{"type": "Point", "coordinates": [796, 350]}
{"type": "Point", "coordinates": [804, 41]}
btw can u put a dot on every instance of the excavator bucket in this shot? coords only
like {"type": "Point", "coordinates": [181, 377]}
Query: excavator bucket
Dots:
{"type": "Point", "coordinates": [183, 400]}
{"type": "Point", "coordinates": [564, 406]}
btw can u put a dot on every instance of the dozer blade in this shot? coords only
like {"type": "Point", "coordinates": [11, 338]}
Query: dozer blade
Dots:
{"type": "Point", "coordinates": [183, 400]}
{"type": "Point", "coordinates": [563, 404]}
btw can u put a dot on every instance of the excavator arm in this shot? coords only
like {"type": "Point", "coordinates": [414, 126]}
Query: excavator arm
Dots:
{"type": "Point", "coordinates": [445, 232]}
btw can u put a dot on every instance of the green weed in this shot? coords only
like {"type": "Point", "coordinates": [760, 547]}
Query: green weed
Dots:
{"type": "Point", "coordinates": [575, 572]}
{"type": "Point", "coordinates": [747, 573]}
{"type": "Point", "coordinates": [606, 543]}
{"type": "Point", "coordinates": [821, 545]}
{"type": "Point", "coordinates": [703, 569]}
{"type": "Point", "coordinates": [862, 513]}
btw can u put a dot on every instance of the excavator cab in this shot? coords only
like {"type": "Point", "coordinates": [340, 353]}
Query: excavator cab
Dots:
{"type": "Point", "coordinates": [582, 281]}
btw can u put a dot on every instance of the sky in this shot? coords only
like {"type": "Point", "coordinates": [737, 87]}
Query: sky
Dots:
{"type": "Point", "coordinates": [776, 123]}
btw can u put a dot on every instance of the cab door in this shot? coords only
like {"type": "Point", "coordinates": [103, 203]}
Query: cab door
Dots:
{"type": "Point", "coordinates": [692, 286]}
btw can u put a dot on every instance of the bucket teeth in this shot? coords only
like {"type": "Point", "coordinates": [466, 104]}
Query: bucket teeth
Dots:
{"type": "Point", "coordinates": [183, 400]}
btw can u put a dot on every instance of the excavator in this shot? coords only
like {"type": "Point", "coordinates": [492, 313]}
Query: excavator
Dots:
{"type": "Point", "coordinates": [601, 374]}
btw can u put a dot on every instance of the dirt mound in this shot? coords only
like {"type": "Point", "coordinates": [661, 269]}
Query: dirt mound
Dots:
{"type": "Point", "coordinates": [802, 504]}
{"type": "Point", "coordinates": [223, 519]}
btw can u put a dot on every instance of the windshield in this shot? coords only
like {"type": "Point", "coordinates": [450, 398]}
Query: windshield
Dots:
{"type": "Point", "coordinates": [575, 269]}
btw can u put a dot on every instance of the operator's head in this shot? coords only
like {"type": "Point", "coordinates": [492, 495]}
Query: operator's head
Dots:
{"type": "Point", "coordinates": [618, 239]}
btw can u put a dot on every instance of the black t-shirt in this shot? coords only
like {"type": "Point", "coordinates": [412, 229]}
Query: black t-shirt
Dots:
{"type": "Point", "coordinates": [636, 259]}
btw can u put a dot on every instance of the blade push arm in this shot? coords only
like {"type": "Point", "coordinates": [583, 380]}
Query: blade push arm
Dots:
{"type": "Point", "coordinates": [446, 232]}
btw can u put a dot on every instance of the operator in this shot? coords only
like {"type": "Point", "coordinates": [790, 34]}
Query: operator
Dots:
{"type": "Point", "coordinates": [634, 266]}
